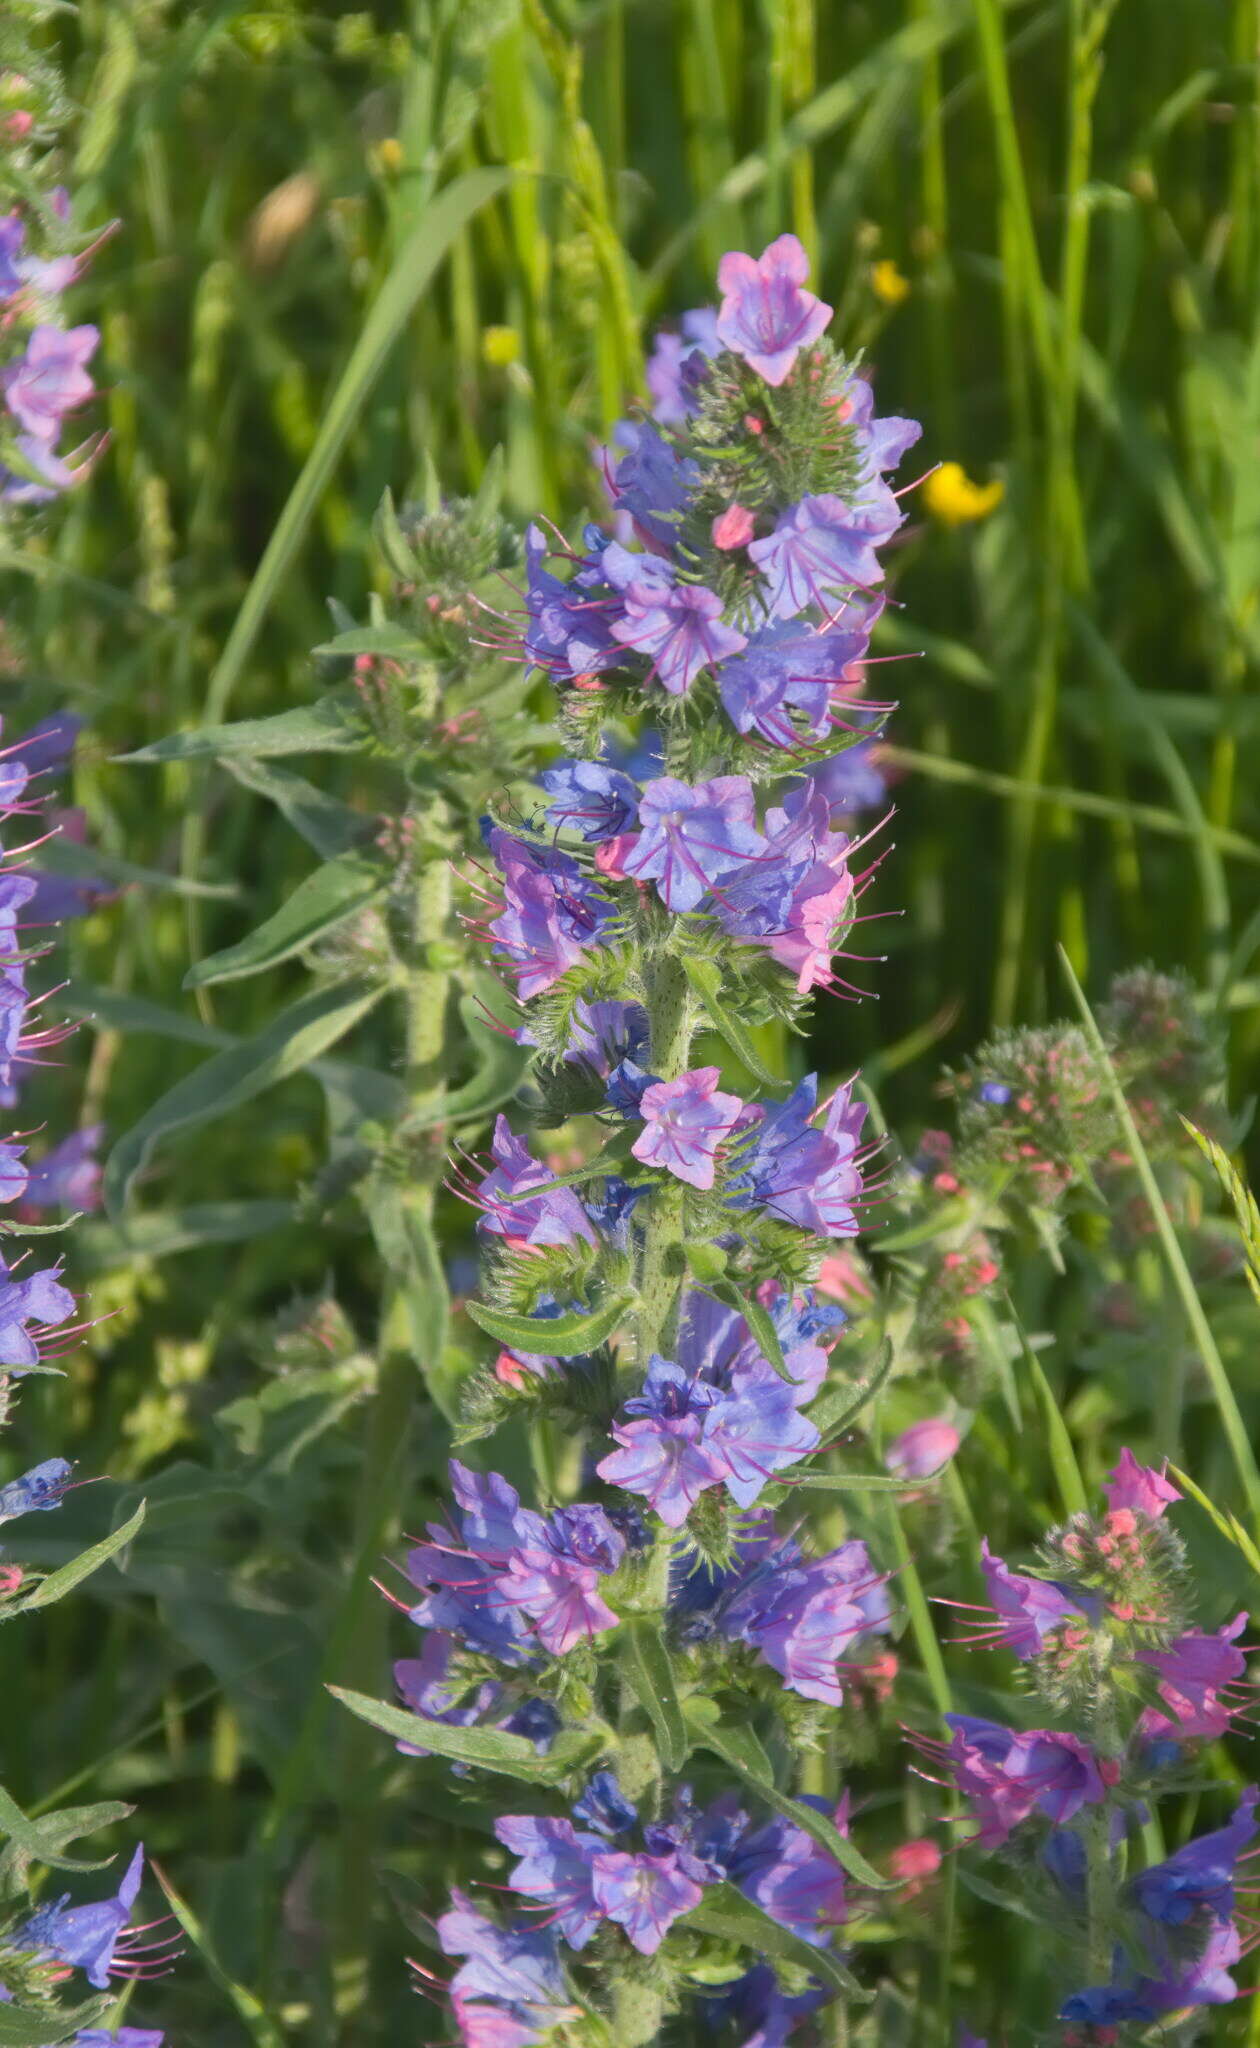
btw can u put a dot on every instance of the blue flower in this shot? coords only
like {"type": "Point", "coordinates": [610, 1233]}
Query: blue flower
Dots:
{"type": "Point", "coordinates": [38, 1490]}
{"type": "Point", "coordinates": [692, 836]}
{"type": "Point", "coordinates": [87, 1937]}
{"type": "Point", "coordinates": [602, 1806]}
{"type": "Point", "coordinates": [766, 315]}
{"type": "Point", "coordinates": [589, 798]}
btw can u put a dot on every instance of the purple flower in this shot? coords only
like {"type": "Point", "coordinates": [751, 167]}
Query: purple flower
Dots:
{"type": "Point", "coordinates": [822, 547]}
{"type": "Point", "coordinates": [38, 1490]}
{"type": "Point", "coordinates": [793, 1879]}
{"type": "Point", "coordinates": [851, 780]}
{"type": "Point", "coordinates": [652, 483]}
{"type": "Point", "coordinates": [14, 1175]}
{"type": "Point", "coordinates": [1028, 1610]}
{"type": "Point", "coordinates": [1200, 1877]}
{"type": "Point", "coordinates": [786, 668]}
{"type": "Point", "coordinates": [643, 1894]}
{"type": "Point", "coordinates": [800, 1614]}
{"type": "Point", "coordinates": [510, 1990]}
{"type": "Point", "coordinates": [556, 1869]}
{"type": "Point", "coordinates": [603, 1034]}
{"type": "Point", "coordinates": [807, 1176]}
{"type": "Point", "coordinates": [554, 1217]}
{"type": "Point", "coordinates": [589, 798]}
{"type": "Point", "coordinates": [680, 627]}
{"type": "Point", "coordinates": [922, 1449]}
{"type": "Point", "coordinates": [50, 380]}
{"type": "Point", "coordinates": [753, 1434]}
{"type": "Point", "coordinates": [672, 398]}
{"type": "Point", "coordinates": [628, 1083]}
{"type": "Point", "coordinates": [880, 443]}
{"type": "Point", "coordinates": [568, 630]}
{"type": "Point", "coordinates": [661, 1456]}
{"type": "Point", "coordinates": [685, 1121]}
{"type": "Point", "coordinates": [762, 2014]}
{"type": "Point", "coordinates": [559, 1592]}
{"type": "Point", "coordinates": [19, 273]}
{"type": "Point", "coordinates": [692, 836]}
{"type": "Point", "coordinates": [37, 1298]}
{"type": "Point", "coordinates": [552, 912]}
{"type": "Point", "coordinates": [51, 474]}
{"type": "Point", "coordinates": [1137, 1486]}
{"type": "Point", "coordinates": [766, 315]}
{"type": "Point", "coordinates": [68, 1176]}
{"type": "Point", "coordinates": [462, 1568]}
{"type": "Point", "coordinates": [602, 1806]}
{"type": "Point", "coordinates": [1199, 1664]}
{"type": "Point", "coordinates": [425, 1685]}
{"type": "Point", "coordinates": [89, 1938]}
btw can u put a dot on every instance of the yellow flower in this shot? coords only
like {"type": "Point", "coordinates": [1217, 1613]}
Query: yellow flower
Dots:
{"type": "Point", "coordinates": [500, 346]}
{"type": "Point", "coordinates": [955, 500]}
{"type": "Point", "coordinates": [887, 282]}
{"type": "Point", "coordinates": [389, 155]}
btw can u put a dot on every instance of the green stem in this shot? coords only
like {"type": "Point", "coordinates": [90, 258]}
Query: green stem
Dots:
{"type": "Point", "coordinates": [638, 2009]}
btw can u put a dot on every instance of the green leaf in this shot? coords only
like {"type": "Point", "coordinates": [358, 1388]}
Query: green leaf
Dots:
{"type": "Point", "coordinates": [706, 984]}
{"type": "Point", "coordinates": [649, 1668]}
{"type": "Point", "coordinates": [24, 2027]}
{"type": "Point", "coordinates": [328, 726]}
{"type": "Point", "coordinates": [740, 1749]}
{"type": "Point", "coordinates": [760, 1326]}
{"type": "Point", "coordinates": [389, 640]}
{"type": "Point", "coordinates": [854, 1482]}
{"type": "Point", "coordinates": [492, 1749]}
{"type": "Point", "coordinates": [837, 1407]}
{"type": "Point", "coordinates": [439, 226]}
{"type": "Point", "coordinates": [325, 899]}
{"type": "Point", "coordinates": [501, 1067]}
{"type": "Point", "coordinates": [1228, 1524]}
{"type": "Point", "coordinates": [325, 823]}
{"type": "Point", "coordinates": [264, 2031]}
{"type": "Point", "coordinates": [59, 1583]}
{"type": "Point", "coordinates": [42, 1839]}
{"type": "Point", "coordinates": [1067, 1472]}
{"type": "Point", "coordinates": [108, 1008]}
{"type": "Point", "coordinates": [288, 1044]}
{"type": "Point", "coordinates": [61, 856]}
{"type": "Point", "coordinates": [728, 1914]}
{"type": "Point", "coordinates": [160, 1232]}
{"type": "Point", "coordinates": [562, 1337]}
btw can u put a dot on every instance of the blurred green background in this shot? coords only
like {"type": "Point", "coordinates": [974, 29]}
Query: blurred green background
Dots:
{"type": "Point", "coordinates": [1042, 221]}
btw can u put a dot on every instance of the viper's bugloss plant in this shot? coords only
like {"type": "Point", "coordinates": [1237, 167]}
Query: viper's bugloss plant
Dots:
{"type": "Point", "coordinates": [652, 1641]}
{"type": "Point", "coordinates": [46, 1944]}
{"type": "Point", "coordinates": [1113, 1652]}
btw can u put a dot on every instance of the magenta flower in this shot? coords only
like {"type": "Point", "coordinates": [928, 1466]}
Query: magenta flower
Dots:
{"type": "Point", "coordinates": [680, 627]}
{"type": "Point", "coordinates": [1028, 1610]}
{"type": "Point", "coordinates": [1197, 1666]}
{"type": "Point", "coordinates": [560, 1595]}
{"type": "Point", "coordinates": [692, 836]}
{"type": "Point", "coordinates": [50, 380]}
{"type": "Point", "coordinates": [1137, 1486]}
{"type": "Point", "coordinates": [684, 1122]}
{"type": "Point", "coordinates": [922, 1449]}
{"type": "Point", "coordinates": [766, 316]}
{"type": "Point", "coordinates": [643, 1894]}
{"type": "Point", "coordinates": [554, 1217]}
{"type": "Point", "coordinates": [786, 1872]}
{"type": "Point", "coordinates": [555, 1868]}
{"type": "Point", "coordinates": [822, 548]}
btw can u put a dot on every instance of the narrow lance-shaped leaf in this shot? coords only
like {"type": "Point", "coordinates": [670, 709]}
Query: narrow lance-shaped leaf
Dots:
{"type": "Point", "coordinates": [560, 1336]}
{"type": "Point", "coordinates": [740, 1748]}
{"type": "Point", "coordinates": [42, 1839]}
{"type": "Point", "coordinates": [492, 1749]}
{"type": "Point", "coordinates": [59, 1583]}
{"type": "Point", "coordinates": [726, 1912]}
{"type": "Point", "coordinates": [338, 890]}
{"type": "Point", "coordinates": [331, 725]}
{"type": "Point", "coordinates": [290, 1043]}
{"type": "Point", "coordinates": [649, 1669]}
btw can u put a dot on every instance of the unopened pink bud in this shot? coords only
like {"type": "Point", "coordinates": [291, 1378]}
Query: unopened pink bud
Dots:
{"type": "Point", "coordinates": [915, 1860]}
{"type": "Point", "coordinates": [612, 855]}
{"type": "Point", "coordinates": [922, 1449]}
{"type": "Point", "coordinates": [733, 528]}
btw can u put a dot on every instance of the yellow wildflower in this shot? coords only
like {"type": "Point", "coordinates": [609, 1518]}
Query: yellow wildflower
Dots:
{"type": "Point", "coordinates": [500, 346]}
{"type": "Point", "coordinates": [389, 155]}
{"type": "Point", "coordinates": [888, 283]}
{"type": "Point", "coordinates": [952, 497]}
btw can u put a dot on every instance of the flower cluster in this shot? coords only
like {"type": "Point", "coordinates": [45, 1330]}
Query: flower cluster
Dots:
{"type": "Point", "coordinates": [43, 362]}
{"type": "Point", "coordinates": [686, 862]}
{"type": "Point", "coordinates": [1102, 1632]}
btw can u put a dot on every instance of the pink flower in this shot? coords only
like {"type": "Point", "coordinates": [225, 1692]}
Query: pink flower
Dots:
{"type": "Point", "coordinates": [733, 528]}
{"type": "Point", "coordinates": [684, 1123]}
{"type": "Point", "coordinates": [766, 316]}
{"type": "Point", "coordinates": [1137, 1486]}
{"type": "Point", "coordinates": [922, 1449]}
